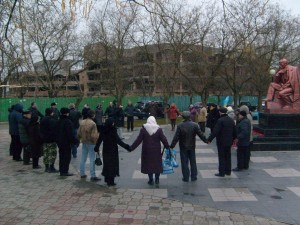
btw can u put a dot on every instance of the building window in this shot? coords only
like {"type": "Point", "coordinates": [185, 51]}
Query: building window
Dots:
{"type": "Point", "coordinates": [91, 76]}
{"type": "Point", "coordinates": [73, 88]}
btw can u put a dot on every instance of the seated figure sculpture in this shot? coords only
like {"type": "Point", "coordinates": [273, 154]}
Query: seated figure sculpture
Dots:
{"type": "Point", "coordinates": [284, 92]}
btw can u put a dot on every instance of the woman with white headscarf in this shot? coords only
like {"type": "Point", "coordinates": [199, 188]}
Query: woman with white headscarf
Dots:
{"type": "Point", "coordinates": [151, 135]}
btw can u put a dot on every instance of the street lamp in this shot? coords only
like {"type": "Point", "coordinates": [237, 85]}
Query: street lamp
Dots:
{"type": "Point", "coordinates": [272, 73]}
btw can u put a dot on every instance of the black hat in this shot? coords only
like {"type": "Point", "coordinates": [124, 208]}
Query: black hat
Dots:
{"type": "Point", "coordinates": [243, 113]}
{"type": "Point", "coordinates": [53, 103]}
{"type": "Point", "coordinates": [223, 110]}
{"type": "Point", "coordinates": [64, 111]}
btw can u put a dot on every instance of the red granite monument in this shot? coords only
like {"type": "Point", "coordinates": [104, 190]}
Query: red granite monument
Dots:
{"type": "Point", "coordinates": [279, 124]}
{"type": "Point", "coordinates": [283, 95]}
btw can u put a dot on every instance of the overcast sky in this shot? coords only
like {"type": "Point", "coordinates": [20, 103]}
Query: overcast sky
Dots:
{"type": "Point", "coordinates": [292, 5]}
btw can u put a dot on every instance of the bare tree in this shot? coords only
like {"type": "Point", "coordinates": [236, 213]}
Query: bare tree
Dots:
{"type": "Point", "coordinates": [111, 33]}
{"type": "Point", "coordinates": [51, 51]}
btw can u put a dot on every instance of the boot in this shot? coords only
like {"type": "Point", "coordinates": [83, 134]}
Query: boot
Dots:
{"type": "Point", "coordinates": [46, 168]}
{"type": "Point", "coordinates": [52, 169]}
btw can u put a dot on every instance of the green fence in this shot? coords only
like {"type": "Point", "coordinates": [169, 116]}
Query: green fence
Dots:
{"type": "Point", "coordinates": [182, 102]}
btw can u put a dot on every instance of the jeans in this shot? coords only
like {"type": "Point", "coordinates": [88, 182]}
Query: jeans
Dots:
{"type": "Point", "coordinates": [88, 149]}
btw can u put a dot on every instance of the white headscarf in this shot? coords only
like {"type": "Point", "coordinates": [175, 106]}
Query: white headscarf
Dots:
{"type": "Point", "coordinates": [151, 125]}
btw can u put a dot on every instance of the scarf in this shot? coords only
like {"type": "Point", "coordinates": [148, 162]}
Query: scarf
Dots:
{"type": "Point", "coordinates": [151, 126]}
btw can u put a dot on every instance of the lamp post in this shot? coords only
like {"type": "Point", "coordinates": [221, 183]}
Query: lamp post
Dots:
{"type": "Point", "coordinates": [272, 73]}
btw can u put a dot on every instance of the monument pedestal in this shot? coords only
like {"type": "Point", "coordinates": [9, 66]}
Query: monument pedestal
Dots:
{"type": "Point", "coordinates": [280, 132]}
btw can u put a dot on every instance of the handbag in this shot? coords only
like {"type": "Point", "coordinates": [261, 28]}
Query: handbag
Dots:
{"type": "Point", "coordinates": [98, 161]}
{"type": "Point", "coordinates": [167, 164]}
{"type": "Point", "coordinates": [172, 154]}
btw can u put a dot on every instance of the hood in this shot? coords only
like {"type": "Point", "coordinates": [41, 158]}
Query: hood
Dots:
{"type": "Point", "coordinates": [18, 107]}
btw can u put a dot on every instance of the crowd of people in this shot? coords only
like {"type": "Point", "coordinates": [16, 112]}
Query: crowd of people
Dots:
{"type": "Point", "coordinates": [37, 135]}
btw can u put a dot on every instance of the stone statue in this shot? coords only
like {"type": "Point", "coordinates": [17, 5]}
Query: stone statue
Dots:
{"type": "Point", "coordinates": [284, 92]}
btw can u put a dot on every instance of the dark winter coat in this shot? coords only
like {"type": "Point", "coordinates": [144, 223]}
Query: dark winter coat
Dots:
{"type": "Point", "coordinates": [35, 112]}
{"type": "Point", "coordinates": [24, 131]}
{"type": "Point", "coordinates": [48, 129]}
{"type": "Point", "coordinates": [212, 118]}
{"type": "Point", "coordinates": [36, 142]}
{"type": "Point", "coordinates": [151, 150]}
{"type": "Point", "coordinates": [56, 113]}
{"type": "Point", "coordinates": [120, 117]}
{"type": "Point", "coordinates": [14, 118]}
{"type": "Point", "coordinates": [244, 132]}
{"type": "Point", "coordinates": [74, 116]}
{"type": "Point", "coordinates": [224, 131]}
{"type": "Point", "coordinates": [111, 112]}
{"type": "Point", "coordinates": [111, 140]}
{"type": "Point", "coordinates": [84, 112]}
{"type": "Point", "coordinates": [64, 133]}
{"type": "Point", "coordinates": [129, 110]}
{"type": "Point", "coordinates": [98, 115]}
{"type": "Point", "coordinates": [186, 135]}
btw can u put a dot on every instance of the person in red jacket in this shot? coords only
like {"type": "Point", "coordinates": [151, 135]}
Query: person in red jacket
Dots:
{"type": "Point", "coordinates": [173, 113]}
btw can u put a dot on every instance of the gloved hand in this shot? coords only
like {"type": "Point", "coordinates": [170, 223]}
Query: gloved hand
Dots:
{"type": "Point", "coordinates": [96, 149]}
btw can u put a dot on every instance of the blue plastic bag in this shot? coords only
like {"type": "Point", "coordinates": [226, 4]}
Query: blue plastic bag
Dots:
{"type": "Point", "coordinates": [167, 166]}
{"type": "Point", "coordinates": [172, 157]}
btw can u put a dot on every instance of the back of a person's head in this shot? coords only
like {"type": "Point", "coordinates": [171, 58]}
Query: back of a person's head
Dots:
{"type": "Point", "coordinates": [71, 106]}
{"type": "Point", "coordinates": [48, 111]}
{"type": "Point", "coordinates": [90, 114]}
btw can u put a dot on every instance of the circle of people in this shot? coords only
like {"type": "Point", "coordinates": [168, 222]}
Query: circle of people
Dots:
{"type": "Point", "coordinates": [39, 135]}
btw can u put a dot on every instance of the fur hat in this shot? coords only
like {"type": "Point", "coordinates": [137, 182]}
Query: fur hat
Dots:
{"type": "Point", "coordinates": [223, 110]}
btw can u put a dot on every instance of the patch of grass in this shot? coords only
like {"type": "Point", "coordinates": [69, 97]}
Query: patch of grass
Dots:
{"type": "Point", "coordinates": [139, 123]}
{"type": "Point", "coordinates": [160, 121]}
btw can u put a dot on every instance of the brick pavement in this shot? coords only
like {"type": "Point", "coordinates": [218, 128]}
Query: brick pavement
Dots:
{"type": "Point", "coordinates": [33, 197]}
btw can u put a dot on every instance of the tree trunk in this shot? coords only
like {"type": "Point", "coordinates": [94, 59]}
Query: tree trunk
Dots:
{"type": "Point", "coordinates": [259, 101]}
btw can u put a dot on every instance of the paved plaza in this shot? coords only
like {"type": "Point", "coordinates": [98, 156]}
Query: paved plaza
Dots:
{"type": "Point", "coordinates": [267, 193]}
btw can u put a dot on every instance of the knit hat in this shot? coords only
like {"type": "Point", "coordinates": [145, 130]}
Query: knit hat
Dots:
{"type": "Point", "coordinates": [53, 103]}
{"type": "Point", "coordinates": [223, 110]}
{"type": "Point", "coordinates": [243, 113]}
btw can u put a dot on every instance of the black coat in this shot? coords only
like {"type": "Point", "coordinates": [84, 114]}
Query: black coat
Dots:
{"type": "Point", "coordinates": [186, 134]}
{"type": "Point", "coordinates": [212, 118]}
{"type": "Point", "coordinates": [224, 131]}
{"type": "Point", "coordinates": [24, 131]}
{"type": "Point", "coordinates": [74, 116]}
{"type": "Point", "coordinates": [120, 117]}
{"type": "Point", "coordinates": [48, 129]}
{"type": "Point", "coordinates": [111, 140]}
{"type": "Point", "coordinates": [64, 133]}
{"type": "Point", "coordinates": [36, 142]}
